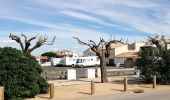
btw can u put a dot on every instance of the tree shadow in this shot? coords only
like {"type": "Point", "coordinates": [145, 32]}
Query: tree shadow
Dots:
{"type": "Point", "coordinates": [117, 90]}
{"type": "Point", "coordinates": [145, 86]}
{"type": "Point", "coordinates": [117, 82]}
{"type": "Point", "coordinates": [84, 93]}
{"type": "Point", "coordinates": [43, 96]}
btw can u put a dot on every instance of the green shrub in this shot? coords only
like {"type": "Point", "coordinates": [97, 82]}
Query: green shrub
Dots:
{"type": "Point", "coordinates": [43, 84]}
{"type": "Point", "coordinates": [20, 74]}
{"type": "Point", "coordinates": [148, 65]}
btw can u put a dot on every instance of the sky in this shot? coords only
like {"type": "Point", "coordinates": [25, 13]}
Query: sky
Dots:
{"type": "Point", "coordinates": [87, 19]}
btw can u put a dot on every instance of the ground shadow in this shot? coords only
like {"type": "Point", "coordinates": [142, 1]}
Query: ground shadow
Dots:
{"type": "Point", "coordinates": [88, 81]}
{"type": "Point", "coordinates": [145, 86]}
{"type": "Point", "coordinates": [117, 90]}
{"type": "Point", "coordinates": [84, 93]}
{"type": "Point", "coordinates": [43, 96]}
{"type": "Point", "coordinates": [117, 82]}
{"type": "Point", "coordinates": [135, 82]}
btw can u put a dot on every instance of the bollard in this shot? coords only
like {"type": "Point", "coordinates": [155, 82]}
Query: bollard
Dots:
{"type": "Point", "coordinates": [45, 75]}
{"type": "Point", "coordinates": [154, 81]}
{"type": "Point", "coordinates": [92, 87]}
{"type": "Point", "coordinates": [1, 93]}
{"type": "Point", "coordinates": [51, 90]}
{"type": "Point", "coordinates": [125, 84]}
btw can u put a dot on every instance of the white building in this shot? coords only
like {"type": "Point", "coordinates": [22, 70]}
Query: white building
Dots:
{"type": "Point", "coordinates": [115, 50]}
{"type": "Point", "coordinates": [136, 46]}
{"type": "Point", "coordinates": [119, 53]}
{"type": "Point", "coordinates": [126, 59]}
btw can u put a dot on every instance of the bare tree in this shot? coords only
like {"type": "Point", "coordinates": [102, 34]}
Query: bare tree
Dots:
{"type": "Point", "coordinates": [102, 55]}
{"type": "Point", "coordinates": [160, 42]}
{"type": "Point", "coordinates": [27, 42]}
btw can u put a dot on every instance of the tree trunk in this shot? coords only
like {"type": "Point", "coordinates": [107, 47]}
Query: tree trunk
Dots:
{"type": "Point", "coordinates": [103, 69]}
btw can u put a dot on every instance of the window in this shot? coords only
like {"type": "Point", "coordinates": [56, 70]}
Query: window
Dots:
{"type": "Point", "coordinates": [84, 60]}
{"type": "Point", "coordinates": [88, 59]}
{"type": "Point", "coordinates": [79, 60]}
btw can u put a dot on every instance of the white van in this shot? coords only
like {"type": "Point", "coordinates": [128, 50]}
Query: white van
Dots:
{"type": "Point", "coordinates": [69, 61]}
{"type": "Point", "coordinates": [88, 61]}
{"type": "Point", "coordinates": [56, 61]}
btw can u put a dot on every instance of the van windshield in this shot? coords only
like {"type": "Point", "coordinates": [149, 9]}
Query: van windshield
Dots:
{"type": "Point", "coordinates": [81, 60]}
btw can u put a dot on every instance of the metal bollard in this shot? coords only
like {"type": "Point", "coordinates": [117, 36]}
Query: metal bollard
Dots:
{"type": "Point", "coordinates": [51, 90]}
{"type": "Point", "coordinates": [125, 84]}
{"type": "Point", "coordinates": [154, 81]}
{"type": "Point", "coordinates": [92, 87]}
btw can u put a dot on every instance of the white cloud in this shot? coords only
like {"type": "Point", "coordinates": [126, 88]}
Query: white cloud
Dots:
{"type": "Point", "coordinates": [133, 3]}
{"type": "Point", "coordinates": [119, 12]}
{"type": "Point", "coordinates": [4, 43]}
{"type": "Point", "coordinates": [132, 15]}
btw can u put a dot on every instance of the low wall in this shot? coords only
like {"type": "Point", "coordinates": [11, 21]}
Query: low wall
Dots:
{"type": "Point", "coordinates": [85, 73]}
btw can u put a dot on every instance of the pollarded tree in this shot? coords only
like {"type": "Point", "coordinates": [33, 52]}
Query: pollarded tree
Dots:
{"type": "Point", "coordinates": [102, 55]}
{"type": "Point", "coordinates": [163, 62]}
{"type": "Point", "coordinates": [160, 42]}
{"type": "Point", "coordinates": [155, 60]}
{"type": "Point", "coordinates": [25, 45]}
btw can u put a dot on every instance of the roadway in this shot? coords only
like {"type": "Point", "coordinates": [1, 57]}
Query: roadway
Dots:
{"type": "Point", "coordinates": [155, 94]}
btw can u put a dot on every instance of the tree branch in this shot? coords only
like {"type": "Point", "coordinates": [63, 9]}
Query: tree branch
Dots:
{"type": "Point", "coordinates": [24, 37]}
{"type": "Point", "coordinates": [156, 42]}
{"type": "Point", "coordinates": [27, 42]}
{"type": "Point", "coordinates": [51, 41]}
{"type": "Point", "coordinates": [38, 44]}
{"type": "Point", "coordinates": [17, 39]}
{"type": "Point", "coordinates": [92, 42]}
{"type": "Point", "coordinates": [163, 39]}
{"type": "Point", "coordinates": [31, 39]}
{"type": "Point", "coordinates": [83, 43]}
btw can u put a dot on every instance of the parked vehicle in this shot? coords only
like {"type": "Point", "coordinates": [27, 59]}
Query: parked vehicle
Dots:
{"type": "Point", "coordinates": [56, 61]}
{"type": "Point", "coordinates": [88, 61]}
{"type": "Point", "coordinates": [45, 64]}
{"type": "Point", "coordinates": [69, 61]}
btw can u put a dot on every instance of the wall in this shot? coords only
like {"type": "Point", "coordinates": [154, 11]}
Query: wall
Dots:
{"type": "Point", "coordinates": [138, 45]}
{"type": "Point", "coordinates": [121, 49]}
{"type": "Point", "coordinates": [88, 52]}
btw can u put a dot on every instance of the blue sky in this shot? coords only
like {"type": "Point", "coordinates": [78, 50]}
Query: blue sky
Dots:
{"type": "Point", "coordinates": [86, 19]}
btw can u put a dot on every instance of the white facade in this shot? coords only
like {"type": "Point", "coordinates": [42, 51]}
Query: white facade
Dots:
{"type": "Point", "coordinates": [90, 73]}
{"type": "Point", "coordinates": [119, 50]}
{"type": "Point", "coordinates": [136, 46]}
{"type": "Point", "coordinates": [71, 74]}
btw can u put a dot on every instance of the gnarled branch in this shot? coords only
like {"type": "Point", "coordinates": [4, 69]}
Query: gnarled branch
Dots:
{"type": "Point", "coordinates": [25, 48]}
{"type": "Point", "coordinates": [38, 44]}
{"type": "Point", "coordinates": [83, 43]}
{"type": "Point", "coordinates": [18, 40]}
